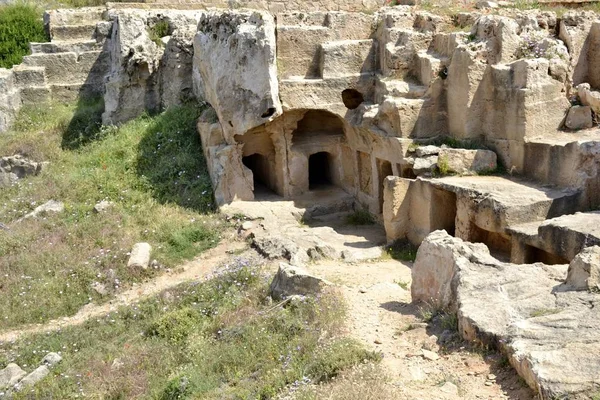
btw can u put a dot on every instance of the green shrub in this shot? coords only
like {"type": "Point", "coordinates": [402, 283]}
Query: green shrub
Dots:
{"type": "Point", "coordinates": [360, 217]}
{"type": "Point", "coordinates": [19, 24]}
{"type": "Point", "coordinates": [159, 30]}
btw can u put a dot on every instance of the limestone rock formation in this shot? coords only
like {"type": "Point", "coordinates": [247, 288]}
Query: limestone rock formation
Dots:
{"type": "Point", "coordinates": [235, 70]}
{"type": "Point", "coordinates": [291, 280]}
{"type": "Point", "coordinates": [148, 73]}
{"type": "Point", "coordinates": [13, 168]}
{"type": "Point", "coordinates": [549, 332]}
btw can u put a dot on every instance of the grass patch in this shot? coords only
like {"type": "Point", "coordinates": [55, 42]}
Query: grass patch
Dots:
{"type": "Point", "coordinates": [151, 168]}
{"type": "Point", "coordinates": [544, 311]}
{"type": "Point", "coordinates": [401, 250]}
{"type": "Point", "coordinates": [360, 217]}
{"type": "Point", "coordinates": [20, 24]}
{"type": "Point", "coordinates": [210, 340]}
{"type": "Point", "coordinates": [159, 30]}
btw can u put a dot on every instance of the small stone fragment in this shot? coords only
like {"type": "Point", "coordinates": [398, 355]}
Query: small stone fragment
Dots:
{"type": "Point", "coordinates": [99, 288]}
{"type": "Point", "coordinates": [486, 4]}
{"type": "Point", "coordinates": [140, 256]}
{"type": "Point", "coordinates": [102, 206]}
{"type": "Point", "coordinates": [449, 388]}
{"type": "Point", "coordinates": [377, 341]}
{"type": "Point", "coordinates": [51, 359]}
{"type": "Point", "coordinates": [246, 226]}
{"type": "Point", "coordinates": [584, 270]}
{"type": "Point", "coordinates": [291, 280]}
{"type": "Point", "coordinates": [424, 151]}
{"type": "Point", "coordinates": [488, 383]}
{"type": "Point", "coordinates": [491, 377]}
{"type": "Point", "coordinates": [51, 206]}
{"type": "Point", "coordinates": [429, 355]}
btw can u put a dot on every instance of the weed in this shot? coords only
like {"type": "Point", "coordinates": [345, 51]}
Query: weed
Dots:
{"type": "Point", "coordinates": [159, 30]}
{"type": "Point", "coordinates": [401, 250]}
{"type": "Point", "coordinates": [406, 328]}
{"type": "Point", "coordinates": [449, 321]}
{"type": "Point", "coordinates": [443, 165]}
{"type": "Point", "coordinates": [20, 24]}
{"type": "Point", "coordinates": [426, 313]}
{"type": "Point", "coordinates": [413, 147]}
{"type": "Point", "coordinates": [360, 217]}
{"type": "Point", "coordinates": [402, 284]}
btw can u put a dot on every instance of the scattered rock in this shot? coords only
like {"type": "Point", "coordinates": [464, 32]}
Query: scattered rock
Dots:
{"type": "Point", "coordinates": [589, 97]}
{"type": "Point", "coordinates": [488, 383]}
{"type": "Point", "coordinates": [51, 359]}
{"type": "Point", "coordinates": [10, 376]}
{"type": "Point", "coordinates": [579, 117]}
{"type": "Point", "coordinates": [377, 341]}
{"type": "Point", "coordinates": [13, 168]}
{"type": "Point", "coordinates": [449, 388]}
{"type": "Point", "coordinates": [50, 207]}
{"type": "Point", "coordinates": [291, 280]}
{"type": "Point", "coordinates": [99, 288]}
{"type": "Point", "coordinates": [246, 226]}
{"type": "Point", "coordinates": [430, 355]}
{"type": "Point", "coordinates": [425, 165]}
{"type": "Point", "coordinates": [103, 206]}
{"type": "Point", "coordinates": [34, 377]}
{"type": "Point", "coordinates": [486, 4]}
{"type": "Point", "coordinates": [140, 256]}
{"type": "Point", "coordinates": [584, 270]}
{"type": "Point", "coordinates": [273, 247]}
{"type": "Point", "coordinates": [491, 377]}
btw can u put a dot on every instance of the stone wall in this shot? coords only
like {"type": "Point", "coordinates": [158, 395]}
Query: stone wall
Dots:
{"type": "Point", "coordinates": [274, 6]}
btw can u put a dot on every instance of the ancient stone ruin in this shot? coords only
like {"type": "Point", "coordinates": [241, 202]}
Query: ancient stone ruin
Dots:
{"type": "Point", "coordinates": [483, 124]}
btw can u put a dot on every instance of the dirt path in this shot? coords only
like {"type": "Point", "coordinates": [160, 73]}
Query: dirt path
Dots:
{"type": "Point", "coordinates": [191, 270]}
{"type": "Point", "coordinates": [382, 317]}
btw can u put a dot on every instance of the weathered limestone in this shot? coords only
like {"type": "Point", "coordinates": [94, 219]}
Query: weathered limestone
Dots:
{"type": "Point", "coordinates": [234, 60]}
{"type": "Point", "coordinates": [144, 74]}
{"type": "Point", "coordinates": [10, 376]}
{"type": "Point", "coordinates": [50, 207]}
{"type": "Point", "coordinates": [463, 161]}
{"type": "Point", "coordinates": [584, 270]}
{"type": "Point", "coordinates": [548, 332]}
{"type": "Point", "coordinates": [291, 280]}
{"type": "Point", "coordinates": [579, 117]}
{"type": "Point", "coordinates": [140, 256]}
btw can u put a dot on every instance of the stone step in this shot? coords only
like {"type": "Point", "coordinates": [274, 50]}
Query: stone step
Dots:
{"type": "Point", "coordinates": [429, 66]}
{"type": "Point", "coordinates": [71, 32]}
{"type": "Point", "coordinates": [74, 16]}
{"type": "Point", "coordinates": [65, 46]}
{"type": "Point", "coordinates": [31, 95]}
{"type": "Point", "coordinates": [75, 91]}
{"type": "Point", "coordinates": [70, 68]}
{"type": "Point", "coordinates": [26, 75]}
{"type": "Point", "coordinates": [398, 88]}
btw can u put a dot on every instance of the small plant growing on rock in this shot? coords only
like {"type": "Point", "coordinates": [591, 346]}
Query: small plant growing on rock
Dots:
{"type": "Point", "coordinates": [443, 165]}
{"type": "Point", "coordinates": [159, 30]}
{"type": "Point", "coordinates": [539, 45]}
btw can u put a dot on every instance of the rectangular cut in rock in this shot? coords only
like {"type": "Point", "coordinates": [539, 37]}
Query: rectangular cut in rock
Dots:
{"type": "Point", "coordinates": [140, 256]}
{"type": "Point", "coordinates": [347, 57]}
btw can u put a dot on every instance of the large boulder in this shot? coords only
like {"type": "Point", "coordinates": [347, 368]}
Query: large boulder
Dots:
{"type": "Point", "coordinates": [550, 333]}
{"type": "Point", "coordinates": [235, 69]}
{"type": "Point", "coordinates": [291, 280]}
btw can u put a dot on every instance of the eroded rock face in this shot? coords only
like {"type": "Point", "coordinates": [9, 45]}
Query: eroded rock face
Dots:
{"type": "Point", "coordinates": [549, 332]}
{"type": "Point", "coordinates": [148, 73]}
{"type": "Point", "coordinates": [464, 161]}
{"type": "Point", "coordinates": [235, 70]}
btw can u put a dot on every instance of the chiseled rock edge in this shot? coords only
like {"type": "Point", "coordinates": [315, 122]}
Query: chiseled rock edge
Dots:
{"type": "Point", "coordinates": [549, 331]}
